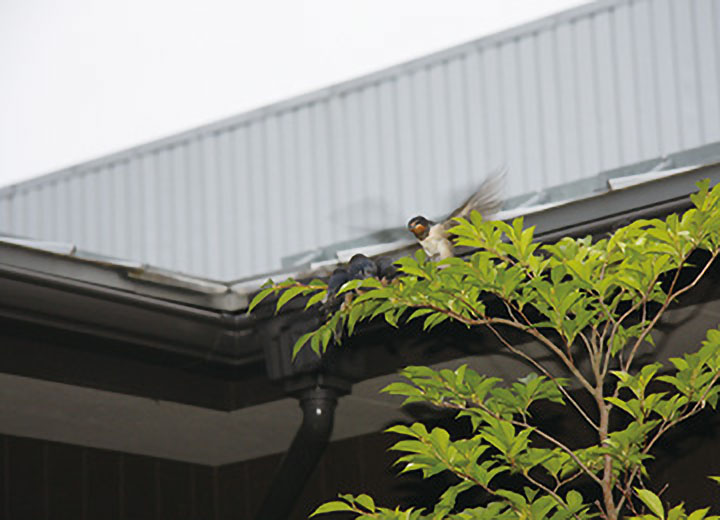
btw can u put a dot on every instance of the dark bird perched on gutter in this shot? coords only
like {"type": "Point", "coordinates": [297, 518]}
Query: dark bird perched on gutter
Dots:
{"type": "Point", "coordinates": [362, 267]}
{"type": "Point", "coordinates": [338, 277]}
{"type": "Point", "coordinates": [332, 301]}
{"type": "Point", "coordinates": [386, 270]}
{"type": "Point", "coordinates": [434, 237]}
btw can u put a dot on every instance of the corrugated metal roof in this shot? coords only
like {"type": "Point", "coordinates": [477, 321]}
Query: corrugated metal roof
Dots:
{"type": "Point", "coordinates": [559, 100]}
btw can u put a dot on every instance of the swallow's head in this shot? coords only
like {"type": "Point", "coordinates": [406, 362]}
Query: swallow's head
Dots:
{"type": "Point", "coordinates": [361, 267]}
{"type": "Point", "coordinates": [420, 227]}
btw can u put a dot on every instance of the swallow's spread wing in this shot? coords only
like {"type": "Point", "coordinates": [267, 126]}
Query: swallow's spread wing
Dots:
{"type": "Point", "coordinates": [487, 200]}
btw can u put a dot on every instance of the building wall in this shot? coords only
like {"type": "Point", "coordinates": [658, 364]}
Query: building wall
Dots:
{"type": "Point", "coordinates": [561, 99]}
{"type": "Point", "coordinates": [42, 480]}
{"type": "Point", "coordinates": [45, 480]}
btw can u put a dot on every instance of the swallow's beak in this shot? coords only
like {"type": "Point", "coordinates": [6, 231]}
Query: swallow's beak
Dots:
{"type": "Point", "coordinates": [418, 229]}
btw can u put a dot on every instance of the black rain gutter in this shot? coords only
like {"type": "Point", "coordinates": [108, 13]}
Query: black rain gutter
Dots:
{"type": "Point", "coordinates": [65, 303]}
{"type": "Point", "coordinates": [43, 287]}
{"type": "Point", "coordinates": [113, 295]}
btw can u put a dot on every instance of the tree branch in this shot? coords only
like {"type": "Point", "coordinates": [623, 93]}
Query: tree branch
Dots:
{"type": "Point", "coordinates": [546, 373]}
{"type": "Point", "coordinates": [699, 405]}
{"type": "Point", "coordinates": [549, 345]}
{"type": "Point", "coordinates": [535, 430]}
{"type": "Point", "coordinates": [670, 297]}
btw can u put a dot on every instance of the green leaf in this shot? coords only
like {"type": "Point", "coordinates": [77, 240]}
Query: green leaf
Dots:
{"type": "Point", "coordinates": [301, 341]}
{"type": "Point", "coordinates": [316, 298]}
{"type": "Point", "coordinates": [356, 313]}
{"type": "Point", "coordinates": [574, 500]}
{"type": "Point", "coordinates": [349, 286]}
{"type": "Point", "coordinates": [434, 320]}
{"type": "Point", "coordinates": [652, 501]}
{"type": "Point", "coordinates": [448, 498]}
{"type": "Point", "coordinates": [634, 411]}
{"type": "Point", "coordinates": [699, 514]}
{"type": "Point", "coordinates": [325, 337]}
{"type": "Point", "coordinates": [332, 507]}
{"type": "Point", "coordinates": [288, 295]}
{"type": "Point", "coordinates": [440, 439]}
{"type": "Point", "coordinates": [366, 501]}
{"type": "Point", "coordinates": [399, 388]}
{"type": "Point", "coordinates": [399, 428]}
{"type": "Point", "coordinates": [418, 313]}
{"type": "Point", "coordinates": [260, 297]}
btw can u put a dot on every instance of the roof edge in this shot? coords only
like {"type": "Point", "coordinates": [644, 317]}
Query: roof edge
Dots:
{"type": "Point", "coordinates": [594, 211]}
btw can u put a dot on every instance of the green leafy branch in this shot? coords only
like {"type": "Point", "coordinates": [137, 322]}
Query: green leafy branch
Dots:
{"type": "Point", "coordinates": [582, 300]}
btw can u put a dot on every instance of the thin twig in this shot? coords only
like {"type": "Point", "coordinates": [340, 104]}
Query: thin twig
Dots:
{"type": "Point", "coordinates": [550, 346]}
{"type": "Point", "coordinates": [536, 430]}
{"type": "Point", "coordinates": [549, 492]}
{"type": "Point", "coordinates": [545, 372]}
{"type": "Point", "coordinates": [699, 405]}
{"type": "Point", "coordinates": [669, 299]}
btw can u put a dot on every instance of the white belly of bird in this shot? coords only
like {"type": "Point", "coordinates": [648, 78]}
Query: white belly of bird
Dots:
{"type": "Point", "coordinates": [436, 244]}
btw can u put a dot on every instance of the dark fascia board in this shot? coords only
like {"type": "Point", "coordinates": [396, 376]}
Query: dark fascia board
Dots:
{"type": "Point", "coordinates": [131, 278]}
{"type": "Point", "coordinates": [52, 300]}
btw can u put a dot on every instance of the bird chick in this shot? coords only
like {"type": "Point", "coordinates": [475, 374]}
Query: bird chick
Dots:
{"type": "Point", "coordinates": [434, 237]}
{"type": "Point", "coordinates": [362, 267]}
{"type": "Point", "coordinates": [332, 301]}
{"type": "Point", "coordinates": [337, 279]}
{"type": "Point", "coordinates": [386, 269]}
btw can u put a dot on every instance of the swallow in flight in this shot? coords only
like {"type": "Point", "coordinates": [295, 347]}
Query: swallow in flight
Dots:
{"type": "Point", "coordinates": [434, 237]}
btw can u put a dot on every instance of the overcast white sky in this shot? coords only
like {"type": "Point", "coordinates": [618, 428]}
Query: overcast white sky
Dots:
{"type": "Point", "coordinates": [83, 78]}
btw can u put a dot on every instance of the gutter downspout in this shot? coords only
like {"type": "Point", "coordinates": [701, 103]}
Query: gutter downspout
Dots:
{"type": "Point", "coordinates": [318, 406]}
{"type": "Point", "coordinates": [318, 383]}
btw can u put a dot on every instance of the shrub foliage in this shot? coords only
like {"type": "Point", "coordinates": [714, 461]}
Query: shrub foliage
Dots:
{"type": "Point", "coordinates": [593, 306]}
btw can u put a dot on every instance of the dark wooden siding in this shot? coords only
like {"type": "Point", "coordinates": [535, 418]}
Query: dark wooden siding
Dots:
{"type": "Point", "coordinates": [45, 480]}
{"type": "Point", "coordinates": [52, 481]}
{"type": "Point", "coordinates": [357, 465]}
